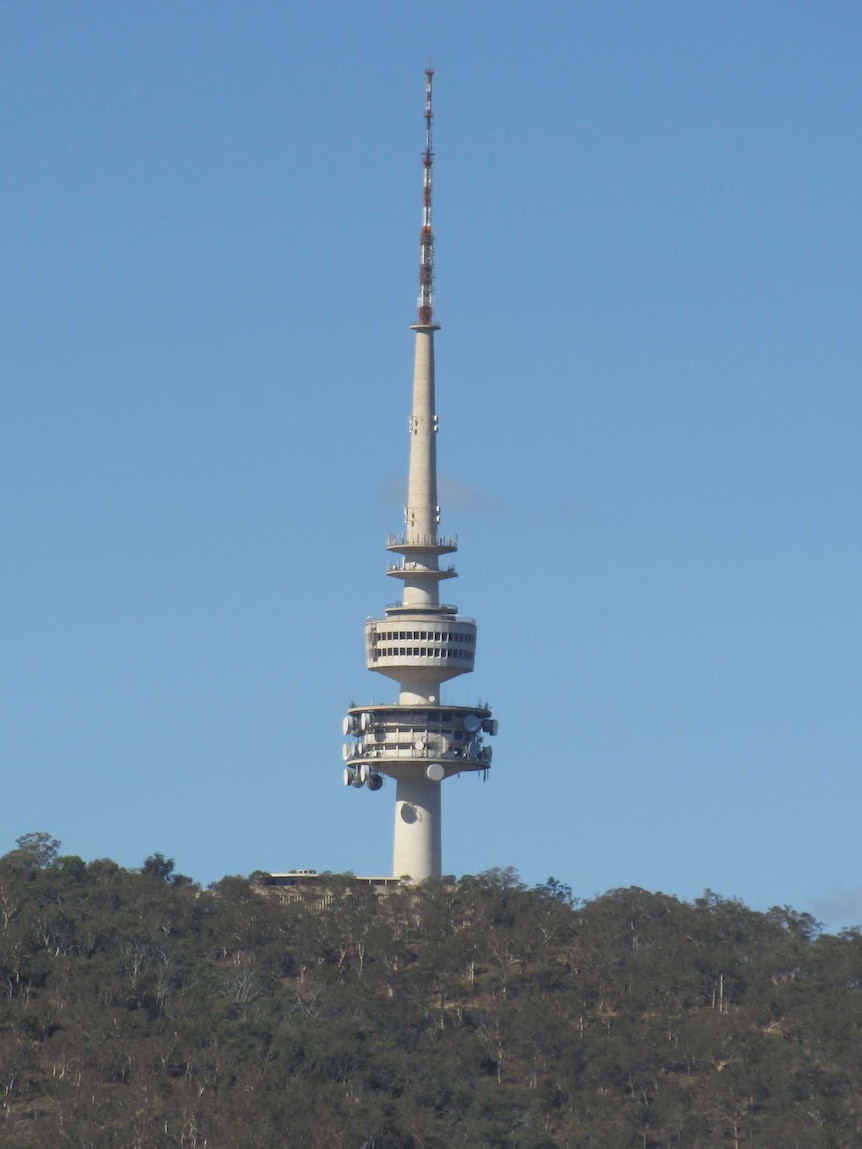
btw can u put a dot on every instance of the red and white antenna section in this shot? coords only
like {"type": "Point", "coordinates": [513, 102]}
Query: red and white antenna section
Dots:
{"type": "Point", "coordinates": [426, 238]}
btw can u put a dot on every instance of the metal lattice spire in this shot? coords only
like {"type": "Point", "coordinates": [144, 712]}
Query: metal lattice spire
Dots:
{"type": "Point", "coordinates": [426, 238]}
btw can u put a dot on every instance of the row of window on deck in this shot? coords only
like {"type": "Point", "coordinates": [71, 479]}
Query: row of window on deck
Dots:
{"type": "Point", "coordinates": [466, 637]}
{"type": "Point", "coordinates": [422, 652]}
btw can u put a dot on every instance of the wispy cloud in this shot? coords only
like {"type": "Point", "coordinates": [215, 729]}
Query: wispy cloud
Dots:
{"type": "Point", "coordinates": [571, 511]}
{"type": "Point", "coordinates": [456, 495]}
{"type": "Point", "coordinates": [393, 491]}
{"type": "Point", "coordinates": [466, 497]}
{"type": "Point", "coordinates": [453, 494]}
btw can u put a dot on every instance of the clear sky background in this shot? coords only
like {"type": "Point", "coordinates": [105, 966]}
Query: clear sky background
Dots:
{"type": "Point", "coordinates": [648, 281]}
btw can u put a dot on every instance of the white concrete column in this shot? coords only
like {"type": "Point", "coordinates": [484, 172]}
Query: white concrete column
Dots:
{"type": "Point", "coordinates": [418, 851]}
{"type": "Point", "coordinates": [422, 480]}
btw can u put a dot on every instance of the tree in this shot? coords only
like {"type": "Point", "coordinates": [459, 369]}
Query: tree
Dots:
{"type": "Point", "coordinates": [158, 866]}
{"type": "Point", "coordinates": [39, 848]}
{"type": "Point", "coordinates": [486, 1015]}
{"type": "Point", "coordinates": [558, 890]}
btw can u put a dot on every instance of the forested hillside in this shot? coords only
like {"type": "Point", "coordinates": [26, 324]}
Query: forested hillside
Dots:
{"type": "Point", "coordinates": [140, 1012]}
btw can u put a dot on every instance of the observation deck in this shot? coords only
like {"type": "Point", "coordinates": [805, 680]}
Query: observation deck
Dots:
{"type": "Point", "coordinates": [436, 544]}
{"type": "Point", "coordinates": [427, 741]}
{"type": "Point", "coordinates": [421, 608]}
{"type": "Point", "coordinates": [421, 646]}
{"type": "Point", "coordinates": [410, 571]}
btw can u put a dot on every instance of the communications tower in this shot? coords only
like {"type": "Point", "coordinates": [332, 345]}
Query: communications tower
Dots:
{"type": "Point", "coordinates": [421, 642]}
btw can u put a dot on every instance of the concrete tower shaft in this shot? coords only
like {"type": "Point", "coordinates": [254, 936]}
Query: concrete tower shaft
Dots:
{"type": "Point", "coordinates": [422, 513]}
{"type": "Point", "coordinates": [421, 643]}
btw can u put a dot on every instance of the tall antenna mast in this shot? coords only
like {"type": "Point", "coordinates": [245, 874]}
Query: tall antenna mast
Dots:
{"type": "Point", "coordinates": [426, 238]}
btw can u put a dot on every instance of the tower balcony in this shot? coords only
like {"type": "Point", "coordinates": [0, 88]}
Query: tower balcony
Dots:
{"type": "Point", "coordinates": [411, 570]}
{"type": "Point", "coordinates": [445, 609]}
{"type": "Point", "coordinates": [411, 544]}
{"type": "Point", "coordinates": [405, 740]}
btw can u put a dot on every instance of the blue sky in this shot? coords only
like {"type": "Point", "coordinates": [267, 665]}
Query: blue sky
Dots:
{"type": "Point", "coordinates": [648, 385]}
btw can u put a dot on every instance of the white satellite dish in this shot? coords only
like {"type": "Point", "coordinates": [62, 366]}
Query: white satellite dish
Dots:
{"type": "Point", "coordinates": [347, 751]}
{"type": "Point", "coordinates": [348, 775]}
{"type": "Point", "coordinates": [363, 772]}
{"type": "Point", "coordinates": [364, 721]}
{"type": "Point", "coordinates": [435, 772]}
{"type": "Point", "coordinates": [419, 745]}
{"type": "Point", "coordinates": [348, 726]}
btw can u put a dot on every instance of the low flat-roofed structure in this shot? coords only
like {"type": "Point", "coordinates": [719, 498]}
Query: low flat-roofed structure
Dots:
{"type": "Point", "coordinates": [294, 883]}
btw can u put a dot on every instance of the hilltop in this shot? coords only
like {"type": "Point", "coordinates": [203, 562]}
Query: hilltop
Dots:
{"type": "Point", "coordinates": [141, 1011]}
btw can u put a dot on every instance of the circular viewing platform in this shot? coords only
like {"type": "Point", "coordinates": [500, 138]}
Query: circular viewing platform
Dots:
{"type": "Point", "coordinates": [413, 571]}
{"type": "Point", "coordinates": [421, 608]}
{"type": "Point", "coordinates": [409, 544]}
{"type": "Point", "coordinates": [403, 739]}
